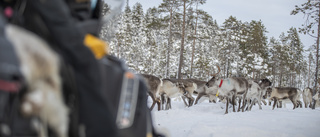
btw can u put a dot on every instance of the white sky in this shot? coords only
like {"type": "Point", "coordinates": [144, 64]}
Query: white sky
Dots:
{"type": "Point", "coordinates": [274, 14]}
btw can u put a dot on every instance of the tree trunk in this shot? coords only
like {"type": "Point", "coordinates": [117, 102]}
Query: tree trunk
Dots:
{"type": "Point", "coordinates": [194, 42]}
{"type": "Point", "coordinates": [182, 40]}
{"type": "Point", "coordinates": [169, 45]}
{"type": "Point", "coordinates": [309, 73]}
{"type": "Point", "coordinates": [317, 63]}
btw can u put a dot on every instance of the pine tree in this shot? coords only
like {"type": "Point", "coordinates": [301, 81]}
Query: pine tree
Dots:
{"type": "Point", "coordinates": [171, 7]}
{"type": "Point", "coordinates": [256, 43]}
{"type": "Point", "coordinates": [296, 56]}
{"type": "Point", "coordinates": [123, 38]}
{"type": "Point", "coordinates": [138, 46]}
{"type": "Point", "coordinates": [311, 9]}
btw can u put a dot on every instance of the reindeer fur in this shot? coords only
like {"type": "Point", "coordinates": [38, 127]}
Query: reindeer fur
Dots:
{"type": "Point", "coordinates": [40, 68]}
{"type": "Point", "coordinates": [153, 83]}
{"type": "Point", "coordinates": [307, 97]}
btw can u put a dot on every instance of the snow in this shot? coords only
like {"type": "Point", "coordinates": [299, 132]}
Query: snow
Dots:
{"type": "Point", "coordinates": [208, 120]}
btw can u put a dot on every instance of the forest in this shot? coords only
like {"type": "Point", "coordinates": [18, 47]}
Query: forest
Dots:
{"type": "Point", "coordinates": [179, 40]}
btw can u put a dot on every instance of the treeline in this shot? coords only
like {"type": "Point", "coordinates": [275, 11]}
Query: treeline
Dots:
{"type": "Point", "coordinates": [151, 43]}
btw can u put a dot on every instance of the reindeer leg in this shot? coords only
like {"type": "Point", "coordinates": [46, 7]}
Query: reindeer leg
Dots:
{"type": "Point", "coordinates": [300, 103]}
{"type": "Point", "coordinates": [239, 105]}
{"type": "Point", "coordinates": [166, 103]}
{"type": "Point", "coordinates": [244, 102]}
{"type": "Point", "coordinates": [153, 101]}
{"type": "Point", "coordinates": [184, 100]}
{"type": "Point", "coordinates": [163, 100]}
{"type": "Point", "coordinates": [293, 102]}
{"type": "Point", "coordinates": [169, 103]}
{"type": "Point", "coordinates": [247, 108]}
{"type": "Point", "coordinates": [158, 103]}
{"type": "Point", "coordinates": [227, 106]}
{"type": "Point", "coordinates": [305, 104]}
{"type": "Point", "coordinates": [264, 102]}
{"type": "Point", "coordinates": [274, 104]}
{"type": "Point", "coordinates": [269, 102]}
{"type": "Point", "coordinates": [152, 106]}
{"type": "Point", "coordinates": [259, 103]}
{"type": "Point", "coordinates": [250, 105]}
{"type": "Point", "coordinates": [191, 100]}
{"type": "Point", "coordinates": [198, 97]}
{"type": "Point", "coordinates": [234, 104]}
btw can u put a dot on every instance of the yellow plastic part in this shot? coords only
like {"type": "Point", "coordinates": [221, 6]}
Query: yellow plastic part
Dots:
{"type": "Point", "coordinates": [97, 46]}
{"type": "Point", "coordinates": [149, 135]}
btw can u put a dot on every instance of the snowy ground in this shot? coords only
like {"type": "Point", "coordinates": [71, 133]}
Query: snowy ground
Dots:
{"type": "Point", "coordinates": [208, 120]}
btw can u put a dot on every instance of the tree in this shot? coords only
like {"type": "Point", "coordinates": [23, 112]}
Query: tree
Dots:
{"type": "Point", "coordinates": [121, 44]}
{"type": "Point", "coordinates": [295, 55]}
{"type": "Point", "coordinates": [231, 44]}
{"type": "Point", "coordinates": [256, 44]}
{"type": "Point", "coordinates": [182, 38]}
{"type": "Point", "coordinates": [170, 6]}
{"type": "Point", "coordinates": [311, 9]}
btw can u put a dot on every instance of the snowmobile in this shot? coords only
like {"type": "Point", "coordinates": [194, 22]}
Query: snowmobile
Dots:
{"type": "Point", "coordinates": [123, 92]}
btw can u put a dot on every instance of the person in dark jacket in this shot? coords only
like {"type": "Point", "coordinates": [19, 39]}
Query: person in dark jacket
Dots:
{"type": "Point", "coordinates": [58, 22]}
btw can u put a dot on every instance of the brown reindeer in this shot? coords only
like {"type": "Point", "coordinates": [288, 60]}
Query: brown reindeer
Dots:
{"type": "Point", "coordinates": [279, 94]}
{"type": "Point", "coordinates": [203, 90]}
{"type": "Point", "coordinates": [153, 83]}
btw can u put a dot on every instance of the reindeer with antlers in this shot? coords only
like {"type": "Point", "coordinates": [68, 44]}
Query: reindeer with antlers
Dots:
{"type": "Point", "coordinates": [230, 88]}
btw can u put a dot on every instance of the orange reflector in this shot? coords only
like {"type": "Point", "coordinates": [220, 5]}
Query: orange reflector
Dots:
{"type": "Point", "coordinates": [129, 75]}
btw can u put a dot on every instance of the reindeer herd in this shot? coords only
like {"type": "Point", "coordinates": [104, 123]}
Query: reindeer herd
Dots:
{"type": "Point", "coordinates": [235, 91]}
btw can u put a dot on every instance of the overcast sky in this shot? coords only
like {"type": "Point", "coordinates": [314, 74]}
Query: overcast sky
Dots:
{"type": "Point", "coordinates": [274, 14]}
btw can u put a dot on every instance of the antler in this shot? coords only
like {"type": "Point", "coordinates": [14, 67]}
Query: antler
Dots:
{"type": "Point", "coordinates": [217, 72]}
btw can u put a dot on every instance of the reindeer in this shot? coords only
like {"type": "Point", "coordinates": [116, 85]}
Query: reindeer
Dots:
{"type": "Point", "coordinates": [230, 88]}
{"type": "Point", "coordinates": [307, 97]}
{"type": "Point", "coordinates": [189, 87]}
{"type": "Point", "coordinates": [264, 84]}
{"type": "Point", "coordinates": [170, 89]}
{"type": "Point", "coordinates": [154, 84]}
{"type": "Point", "coordinates": [316, 97]}
{"type": "Point", "coordinates": [278, 94]}
{"type": "Point", "coordinates": [203, 90]}
{"type": "Point", "coordinates": [254, 94]}
{"type": "Point", "coordinates": [40, 67]}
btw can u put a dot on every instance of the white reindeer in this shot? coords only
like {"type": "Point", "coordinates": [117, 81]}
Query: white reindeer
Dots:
{"type": "Point", "coordinates": [168, 90]}
{"type": "Point", "coordinates": [254, 94]}
{"type": "Point", "coordinates": [307, 97]}
{"type": "Point", "coordinates": [189, 87]}
{"type": "Point", "coordinates": [40, 68]}
{"type": "Point", "coordinates": [230, 88]}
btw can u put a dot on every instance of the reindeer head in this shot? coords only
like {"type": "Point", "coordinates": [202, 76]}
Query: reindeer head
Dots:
{"type": "Point", "coordinates": [182, 88]}
{"type": "Point", "coordinates": [265, 83]}
{"type": "Point", "coordinates": [268, 93]}
{"type": "Point", "coordinates": [211, 82]}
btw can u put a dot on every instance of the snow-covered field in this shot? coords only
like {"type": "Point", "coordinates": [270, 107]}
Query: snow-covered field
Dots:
{"type": "Point", "coordinates": [208, 120]}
